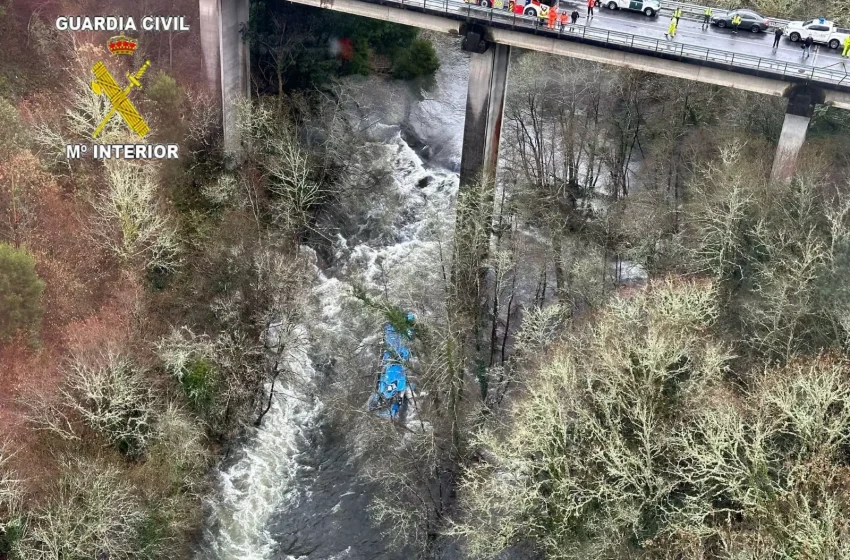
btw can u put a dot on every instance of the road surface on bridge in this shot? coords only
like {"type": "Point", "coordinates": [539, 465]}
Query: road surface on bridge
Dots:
{"type": "Point", "coordinates": [690, 32]}
{"type": "Point", "coordinates": [629, 39]}
{"type": "Point", "coordinates": [744, 52]}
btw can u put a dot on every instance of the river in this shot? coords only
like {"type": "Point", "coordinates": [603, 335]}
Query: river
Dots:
{"type": "Point", "coordinates": [292, 490]}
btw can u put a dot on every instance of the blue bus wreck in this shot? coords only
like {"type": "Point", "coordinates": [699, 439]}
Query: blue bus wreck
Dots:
{"type": "Point", "coordinates": [393, 391]}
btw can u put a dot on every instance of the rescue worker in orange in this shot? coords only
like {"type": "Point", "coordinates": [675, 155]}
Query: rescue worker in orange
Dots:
{"type": "Point", "coordinates": [564, 20]}
{"type": "Point", "coordinates": [553, 15]}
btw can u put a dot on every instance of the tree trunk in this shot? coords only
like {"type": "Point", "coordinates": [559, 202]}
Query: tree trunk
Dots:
{"type": "Point", "coordinates": [560, 273]}
{"type": "Point", "coordinates": [259, 419]}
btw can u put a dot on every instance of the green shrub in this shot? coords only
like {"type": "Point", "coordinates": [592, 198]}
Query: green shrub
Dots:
{"type": "Point", "coordinates": [153, 533]}
{"type": "Point", "coordinates": [191, 360]}
{"type": "Point", "coordinates": [20, 290]}
{"type": "Point", "coordinates": [11, 532]}
{"type": "Point", "coordinates": [418, 59]}
{"type": "Point", "coordinates": [359, 62]}
{"type": "Point", "coordinates": [165, 92]}
{"type": "Point", "coordinates": [199, 384]}
{"type": "Point", "coordinates": [11, 130]}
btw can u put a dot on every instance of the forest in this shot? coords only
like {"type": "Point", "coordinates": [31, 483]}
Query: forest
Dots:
{"type": "Point", "coordinates": [630, 344]}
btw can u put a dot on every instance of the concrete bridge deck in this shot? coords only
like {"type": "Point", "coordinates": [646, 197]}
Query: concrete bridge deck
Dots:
{"type": "Point", "coordinates": [744, 61]}
{"type": "Point", "coordinates": [634, 41]}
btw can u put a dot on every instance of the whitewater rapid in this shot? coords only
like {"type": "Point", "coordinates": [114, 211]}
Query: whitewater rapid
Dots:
{"type": "Point", "coordinates": [293, 492]}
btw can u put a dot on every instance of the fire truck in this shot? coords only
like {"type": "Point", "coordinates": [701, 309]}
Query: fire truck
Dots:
{"type": "Point", "coordinates": [529, 7]}
{"type": "Point", "coordinates": [538, 8]}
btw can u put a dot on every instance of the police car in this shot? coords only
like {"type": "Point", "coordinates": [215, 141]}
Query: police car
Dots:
{"type": "Point", "coordinates": [822, 31]}
{"type": "Point", "coordinates": [649, 8]}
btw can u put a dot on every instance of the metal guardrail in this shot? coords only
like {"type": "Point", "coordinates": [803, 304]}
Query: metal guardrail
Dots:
{"type": "Point", "coordinates": [693, 12]}
{"type": "Point", "coordinates": [696, 12]}
{"type": "Point", "coordinates": [498, 17]}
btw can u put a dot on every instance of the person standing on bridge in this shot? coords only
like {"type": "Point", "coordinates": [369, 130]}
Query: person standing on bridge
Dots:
{"type": "Point", "coordinates": [552, 16]}
{"type": "Point", "coordinates": [736, 21]}
{"type": "Point", "coordinates": [846, 52]}
{"type": "Point", "coordinates": [564, 19]}
{"type": "Point", "coordinates": [574, 16]}
{"type": "Point", "coordinates": [671, 31]}
{"type": "Point", "coordinates": [706, 18]}
{"type": "Point", "coordinates": [777, 35]}
{"type": "Point", "coordinates": [590, 4]}
{"type": "Point", "coordinates": [807, 46]}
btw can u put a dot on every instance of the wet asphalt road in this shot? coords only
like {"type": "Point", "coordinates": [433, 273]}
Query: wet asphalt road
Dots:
{"type": "Point", "coordinates": [691, 33]}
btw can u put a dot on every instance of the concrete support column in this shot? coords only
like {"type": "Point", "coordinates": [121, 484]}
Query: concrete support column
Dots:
{"type": "Point", "coordinates": [798, 114]}
{"type": "Point", "coordinates": [790, 141]}
{"type": "Point", "coordinates": [226, 60]}
{"type": "Point", "coordinates": [485, 104]}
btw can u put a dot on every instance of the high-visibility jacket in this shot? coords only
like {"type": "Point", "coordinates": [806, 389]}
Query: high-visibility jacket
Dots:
{"type": "Point", "coordinates": [564, 18]}
{"type": "Point", "coordinates": [678, 13]}
{"type": "Point", "coordinates": [736, 20]}
{"type": "Point", "coordinates": [708, 12]}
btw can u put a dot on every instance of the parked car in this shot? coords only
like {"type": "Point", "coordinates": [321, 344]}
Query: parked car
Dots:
{"type": "Point", "coordinates": [822, 31]}
{"type": "Point", "coordinates": [751, 20]}
{"type": "Point", "coordinates": [649, 8]}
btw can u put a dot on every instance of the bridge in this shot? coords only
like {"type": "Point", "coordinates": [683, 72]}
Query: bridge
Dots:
{"type": "Point", "coordinates": [716, 56]}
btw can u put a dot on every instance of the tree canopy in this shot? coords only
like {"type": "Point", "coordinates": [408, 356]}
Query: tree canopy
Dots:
{"type": "Point", "coordinates": [20, 290]}
{"type": "Point", "coordinates": [633, 442]}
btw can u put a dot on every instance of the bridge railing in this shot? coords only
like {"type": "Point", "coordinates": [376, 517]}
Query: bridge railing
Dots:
{"type": "Point", "coordinates": [497, 17]}
{"type": "Point", "coordinates": [696, 12]}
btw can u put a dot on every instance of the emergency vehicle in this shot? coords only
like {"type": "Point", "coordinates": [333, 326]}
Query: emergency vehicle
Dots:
{"type": "Point", "coordinates": [498, 4]}
{"type": "Point", "coordinates": [532, 7]}
{"type": "Point", "coordinates": [822, 31]}
{"type": "Point", "coordinates": [649, 8]}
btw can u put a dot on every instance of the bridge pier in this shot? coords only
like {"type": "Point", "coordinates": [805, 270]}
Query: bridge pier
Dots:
{"type": "Point", "coordinates": [798, 114]}
{"type": "Point", "coordinates": [226, 60]}
{"type": "Point", "coordinates": [485, 104]}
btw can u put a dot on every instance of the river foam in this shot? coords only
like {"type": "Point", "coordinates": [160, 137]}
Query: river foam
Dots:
{"type": "Point", "coordinates": [293, 493]}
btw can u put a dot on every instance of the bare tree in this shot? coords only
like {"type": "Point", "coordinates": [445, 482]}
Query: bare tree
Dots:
{"type": "Point", "coordinates": [130, 221]}
{"type": "Point", "coordinates": [92, 510]}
